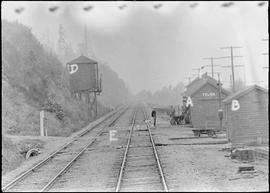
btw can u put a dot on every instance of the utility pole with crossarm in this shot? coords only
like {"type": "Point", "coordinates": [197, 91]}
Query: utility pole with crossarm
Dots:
{"type": "Point", "coordinates": [212, 64]}
{"type": "Point", "coordinates": [232, 64]}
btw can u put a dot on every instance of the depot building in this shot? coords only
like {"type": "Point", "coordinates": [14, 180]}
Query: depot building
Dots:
{"type": "Point", "coordinates": [204, 94]}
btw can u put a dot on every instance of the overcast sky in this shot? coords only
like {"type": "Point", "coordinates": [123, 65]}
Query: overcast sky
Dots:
{"type": "Point", "coordinates": [150, 48]}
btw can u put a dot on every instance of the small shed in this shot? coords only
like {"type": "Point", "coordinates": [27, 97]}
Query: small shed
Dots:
{"type": "Point", "coordinates": [204, 94]}
{"type": "Point", "coordinates": [83, 74]}
{"type": "Point", "coordinates": [247, 122]}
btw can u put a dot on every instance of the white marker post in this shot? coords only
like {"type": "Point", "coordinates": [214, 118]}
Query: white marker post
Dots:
{"type": "Point", "coordinates": [42, 123]}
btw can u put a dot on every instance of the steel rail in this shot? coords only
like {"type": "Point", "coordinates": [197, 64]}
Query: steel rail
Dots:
{"type": "Point", "coordinates": [125, 154]}
{"type": "Point", "coordinates": [50, 156]}
{"type": "Point", "coordinates": [164, 183]}
{"type": "Point", "coordinates": [53, 180]}
{"type": "Point", "coordinates": [85, 132]}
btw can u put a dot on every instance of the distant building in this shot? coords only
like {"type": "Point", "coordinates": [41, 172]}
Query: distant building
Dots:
{"type": "Point", "coordinates": [204, 93]}
{"type": "Point", "coordinates": [249, 124]}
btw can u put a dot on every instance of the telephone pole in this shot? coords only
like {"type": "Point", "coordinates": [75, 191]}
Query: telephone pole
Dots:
{"type": "Point", "coordinates": [220, 111]}
{"type": "Point", "coordinates": [232, 64]}
{"type": "Point", "coordinates": [267, 52]}
{"type": "Point", "coordinates": [61, 42]}
{"type": "Point", "coordinates": [265, 67]}
{"type": "Point", "coordinates": [232, 76]}
{"type": "Point", "coordinates": [199, 71]}
{"type": "Point", "coordinates": [212, 64]}
{"type": "Point", "coordinates": [85, 41]}
{"type": "Point", "coordinates": [89, 50]}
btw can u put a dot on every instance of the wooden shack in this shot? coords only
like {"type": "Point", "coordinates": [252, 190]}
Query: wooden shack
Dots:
{"type": "Point", "coordinates": [247, 123]}
{"type": "Point", "coordinates": [204, 94]}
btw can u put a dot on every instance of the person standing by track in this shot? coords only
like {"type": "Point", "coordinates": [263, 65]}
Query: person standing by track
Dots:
{"type": "Point", "coordinates": [154, 115]}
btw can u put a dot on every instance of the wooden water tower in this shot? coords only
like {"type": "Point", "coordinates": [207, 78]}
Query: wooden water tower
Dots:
{"type": "Point", "coordinates": [84, 80]}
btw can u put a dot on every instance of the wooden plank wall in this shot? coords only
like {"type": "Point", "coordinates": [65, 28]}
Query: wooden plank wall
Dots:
{"type": "Point", "coordinates": [250, 124]}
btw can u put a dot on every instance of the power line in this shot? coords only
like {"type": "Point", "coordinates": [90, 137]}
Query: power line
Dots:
{"type": "Point", "coordinates": [232, 64]}
{"type": "Point", "coordinates": [231, 75]}
{"type": "Point", "coordinates": [214, 73]}
{"type": "Point", "coordinates": [212, 63]}
{"type": "Point", "coordinates": [265, 53]}
{"type": "Point", "coordinates": [199, 71]}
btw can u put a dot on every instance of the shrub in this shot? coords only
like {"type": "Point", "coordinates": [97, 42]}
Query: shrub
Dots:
{"type": "Point", "coordinates": [52, 106]}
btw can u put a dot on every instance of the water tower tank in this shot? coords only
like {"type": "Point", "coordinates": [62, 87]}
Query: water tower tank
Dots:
{"type": "Point", "coordinates": [83, 74]}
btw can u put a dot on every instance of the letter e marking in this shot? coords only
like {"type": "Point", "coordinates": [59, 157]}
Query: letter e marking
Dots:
{"type": "Point", "coordinates": [112, 133]}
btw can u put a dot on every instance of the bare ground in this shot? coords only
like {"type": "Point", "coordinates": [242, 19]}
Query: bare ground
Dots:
{"type": "Point", "coordinates": [198, 164]}
{"type": "Point", "coordinates": [189, 163]}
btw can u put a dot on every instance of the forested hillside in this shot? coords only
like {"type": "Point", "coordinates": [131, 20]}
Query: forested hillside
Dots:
{"type": "Point", "coordinates": [33, 80]}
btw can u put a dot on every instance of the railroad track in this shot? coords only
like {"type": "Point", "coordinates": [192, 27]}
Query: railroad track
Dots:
{"type": "Point", "coordinates": [141, 169]}
{"type": "Point", "coordinates": [43, 175]}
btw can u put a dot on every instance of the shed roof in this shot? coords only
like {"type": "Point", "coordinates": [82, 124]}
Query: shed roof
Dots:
{"type": "Point", "coordinates": [243, 92]}
{"type": "Point", "coordinates": [203, 81]}
{"type": "Point", "coordinates": [83, 60]}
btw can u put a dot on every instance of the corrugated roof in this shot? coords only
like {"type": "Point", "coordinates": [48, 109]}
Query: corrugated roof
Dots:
{"type": "Point", "coordinates": [83, 60]}
{"type": "Point", "coordinates": [243, 92]}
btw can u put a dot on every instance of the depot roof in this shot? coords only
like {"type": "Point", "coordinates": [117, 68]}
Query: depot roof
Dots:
{"type": "Point", "coordinates": [191, 92]}
{"type": "Point", "coordinates": [198, 83]}
{"type": "Point", "coordinates": [196, 80]}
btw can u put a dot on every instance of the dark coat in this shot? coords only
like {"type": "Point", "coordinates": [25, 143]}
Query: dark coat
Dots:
{"type": "Point", "coordinates": [154, 114]}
